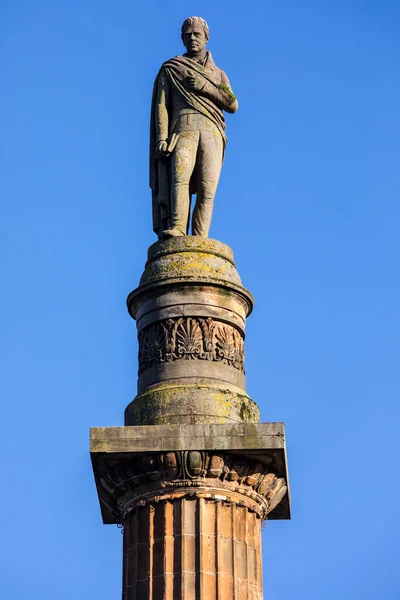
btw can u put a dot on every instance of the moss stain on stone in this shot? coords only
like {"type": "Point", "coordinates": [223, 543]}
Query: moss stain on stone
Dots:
{"type": "Point", "coordinates": [199, 403]}
{"type": "Point", "coordinates": [193, 263]}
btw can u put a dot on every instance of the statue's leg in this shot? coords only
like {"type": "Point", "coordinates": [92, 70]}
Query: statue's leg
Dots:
{"type": "Point", "coordinates": [183, 161]}
{"type": "Point", "coordinates": [209, 163]}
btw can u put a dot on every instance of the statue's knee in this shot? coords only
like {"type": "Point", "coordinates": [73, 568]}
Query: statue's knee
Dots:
{"type": "Point", "coordinates": [182, 183]}
{"type": "Point", "coordinates": [207, 191]}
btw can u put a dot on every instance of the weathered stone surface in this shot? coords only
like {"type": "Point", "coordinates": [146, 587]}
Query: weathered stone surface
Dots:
{"type": "Point", "coordinates": [190, 257]}
{"type": "Point", "coordinates": [187, 135]}
{"type": "Point", "coordinates": [191, 338]}
{"type": "Point", "coordinates": [191, 499]}
{"type": "Point", "coordinates": [246, 463]}
{"type": "Point", "coordinates": [190, 310]}
{"type": "Point", "coordinates": [192, 548]}
{"type": "Point", "coordinates": [238, 436]}
{"type": "Point", "coordinates": [184, 262]}
{"type": "Point", "coordinates": [179, 404]}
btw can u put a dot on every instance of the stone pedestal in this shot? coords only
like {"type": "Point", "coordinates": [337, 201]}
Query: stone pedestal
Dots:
{"type": "Point", "coordinates": [190, 310]}
{"type": "Point", "coordinates": [192, 474]}
{"type": "Point", "coordinates": [192, 499]}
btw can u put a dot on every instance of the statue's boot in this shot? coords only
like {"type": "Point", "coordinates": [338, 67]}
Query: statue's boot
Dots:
{"type": "Point", "coordinates": [170, 233]}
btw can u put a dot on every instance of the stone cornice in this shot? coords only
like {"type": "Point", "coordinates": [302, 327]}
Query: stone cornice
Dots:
{"type": "Point", "coordinates": [136, 471]}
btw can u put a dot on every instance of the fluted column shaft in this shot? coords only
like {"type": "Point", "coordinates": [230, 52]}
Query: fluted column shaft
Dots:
{"type": "Point", "coordinates": [192, 549]}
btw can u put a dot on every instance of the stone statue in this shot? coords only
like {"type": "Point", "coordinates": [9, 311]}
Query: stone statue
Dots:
{"type": "Point", "coordinates": [187, 139]}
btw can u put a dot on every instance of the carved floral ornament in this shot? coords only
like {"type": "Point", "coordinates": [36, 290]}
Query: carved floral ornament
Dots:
{"type": "Point", "coordinates": [190, 338]}
{"type": "Point", "coordinates": [226, 477]}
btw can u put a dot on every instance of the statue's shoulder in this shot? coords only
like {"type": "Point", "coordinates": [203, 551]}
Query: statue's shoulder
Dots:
{"type": "Point", "coordinates": [171, 62]}
{"type": "Point", "coordinates": [174, 60]}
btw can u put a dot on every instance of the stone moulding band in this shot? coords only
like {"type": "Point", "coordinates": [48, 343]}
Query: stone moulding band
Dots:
{"type": "Point", "coordinates": [146, 290]}
{"type": "Point", "coordinates": [254, 503]}
{"type": "Point", "coordinates": [190, 339]}
{"type": "Point", "coordinates": [213, 247]}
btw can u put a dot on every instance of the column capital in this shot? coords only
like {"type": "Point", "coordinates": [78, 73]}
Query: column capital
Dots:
{"type": "Point", "coordinates": [241, 464]}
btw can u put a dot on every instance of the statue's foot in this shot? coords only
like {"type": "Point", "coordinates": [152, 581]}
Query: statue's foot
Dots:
{"type": "Point", "coordinates": [167, 233]}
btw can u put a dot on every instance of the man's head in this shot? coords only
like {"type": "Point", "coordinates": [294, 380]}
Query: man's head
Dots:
{"type": "Point", "coordinates": [195, 34]}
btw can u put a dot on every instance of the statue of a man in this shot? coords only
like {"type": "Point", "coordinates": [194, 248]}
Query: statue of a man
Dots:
{"type": "Point", "coordinates": [187, 140]}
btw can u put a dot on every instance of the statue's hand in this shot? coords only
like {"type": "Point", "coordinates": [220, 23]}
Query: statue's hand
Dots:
{"type": "Point", "coordinates": [161, 149]}
{"type": "Point", "coordinates": [194, 83]}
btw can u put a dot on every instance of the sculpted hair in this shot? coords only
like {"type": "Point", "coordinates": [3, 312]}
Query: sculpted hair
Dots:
{"type": "Point", "coordinates": [195, 20]}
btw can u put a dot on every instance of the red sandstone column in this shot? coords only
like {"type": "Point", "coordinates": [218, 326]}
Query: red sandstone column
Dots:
{"type": "Point", "coordinates": [192, 549]}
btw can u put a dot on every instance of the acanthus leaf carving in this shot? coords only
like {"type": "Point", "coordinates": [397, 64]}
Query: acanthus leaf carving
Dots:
{"type": "Point", "coordinates": [190, 338]}
{"type": "Point", "coordinates": [225, 344]}
{"type": "Point", "coordinates": [169, 330]}
{"type": "Point", "coordinates": [149, 474]}
{"type": "Point", "coordinates": [208, 327]}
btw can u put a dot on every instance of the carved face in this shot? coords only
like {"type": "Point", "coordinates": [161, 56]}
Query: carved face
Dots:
{"type": "Point", "coordinates": [194, 39]}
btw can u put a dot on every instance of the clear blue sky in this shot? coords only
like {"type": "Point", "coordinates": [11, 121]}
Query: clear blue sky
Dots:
{"type": "Point", "coordinates": [309, 201]}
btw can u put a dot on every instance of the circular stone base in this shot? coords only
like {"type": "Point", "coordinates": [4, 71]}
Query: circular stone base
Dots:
{"type": "Point", "coordinates": [190, 404]}
{"type": "Point", "coordinates": [184, 261]}
{"type": "Point", "coordinates": [190, 256]}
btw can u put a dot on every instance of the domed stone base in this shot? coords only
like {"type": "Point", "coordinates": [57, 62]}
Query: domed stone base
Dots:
{"type": "Point", "coordinates": [190, 404]}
